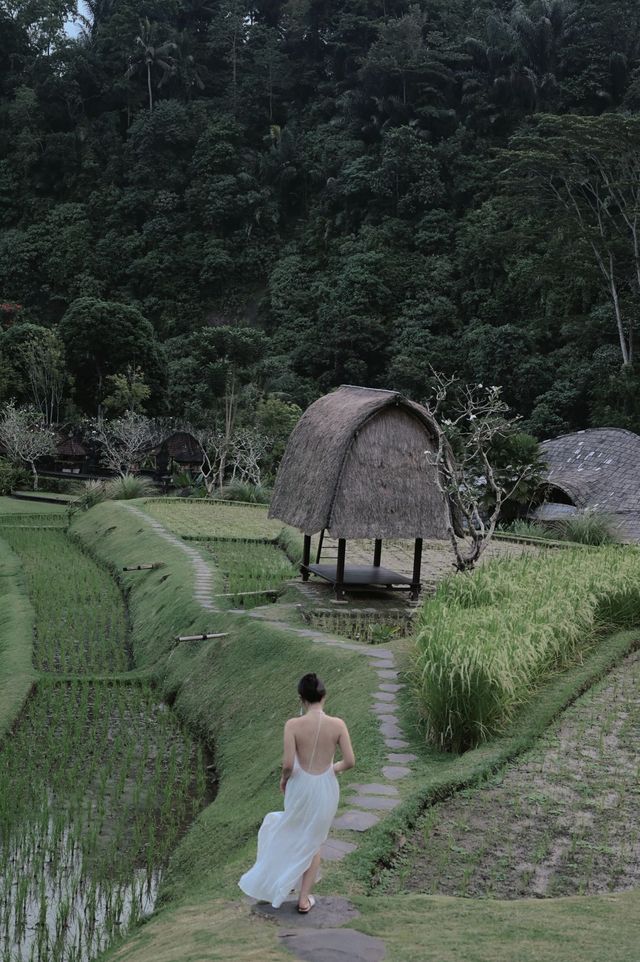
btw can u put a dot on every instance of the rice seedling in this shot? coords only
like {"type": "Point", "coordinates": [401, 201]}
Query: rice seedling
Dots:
{"type": "Point", "coordinates": [96, 784]}
{"type": "Point", "coordinates": [80, 614]}
{"type": "Point", "coordinates": [29, 519]}
{"type": "Point", "coordinates": [249, 567]}
{"type": "Point", "coordinates": [486, 640]}
{"type": "Point", "coordinates": [204, 518]}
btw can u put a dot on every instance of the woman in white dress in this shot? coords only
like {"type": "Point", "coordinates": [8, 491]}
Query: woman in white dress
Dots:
{"type": "Point", "coordinates": [289, 842]}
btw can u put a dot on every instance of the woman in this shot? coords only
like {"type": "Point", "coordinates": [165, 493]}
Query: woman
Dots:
{"type": "Point", "coordinates": [289, 842]}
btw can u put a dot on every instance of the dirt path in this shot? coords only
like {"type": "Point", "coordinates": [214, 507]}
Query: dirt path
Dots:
{"type": "Point", "coordinates": [563, 820]}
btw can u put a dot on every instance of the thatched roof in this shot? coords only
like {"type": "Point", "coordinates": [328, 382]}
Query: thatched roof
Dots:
{"type": "Point", "coordinates": [355, 465]}
{"type": "Point", "coordinates": [182, 447]}
{"type": "Point", "coordinates": [69, 448]}
{"type": "Point", "coordinates": [598, 470]}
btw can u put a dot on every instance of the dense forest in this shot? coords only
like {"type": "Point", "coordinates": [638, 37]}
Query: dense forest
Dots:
{"type": "Point", "coordinates": [286, 195]}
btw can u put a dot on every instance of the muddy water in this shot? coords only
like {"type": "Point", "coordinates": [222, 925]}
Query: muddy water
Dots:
{"type": "Point", "coordinates": [97, 784]}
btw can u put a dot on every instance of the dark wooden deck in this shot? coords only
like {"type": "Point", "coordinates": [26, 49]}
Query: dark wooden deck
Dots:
{"type": "Point", "coordinates": [362, 575]}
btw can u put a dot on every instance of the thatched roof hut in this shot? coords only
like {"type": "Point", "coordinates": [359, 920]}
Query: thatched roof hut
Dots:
{"type": "Point", "coordinates": [180, 448]}
{"type": "Point", "coordinates": [595, 470]}
{"type": "Point", "coordinates": [356, 467]}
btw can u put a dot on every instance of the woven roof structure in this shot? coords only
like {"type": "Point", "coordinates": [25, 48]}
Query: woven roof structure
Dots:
{"type": "Point", "coordinates": [599, 470]}
{"type": "Point", "coordinates": [182, 447]}
{"type": "Point", "coordinates": [356, 465]}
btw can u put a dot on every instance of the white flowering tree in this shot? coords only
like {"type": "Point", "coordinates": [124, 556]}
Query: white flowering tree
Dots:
{"type": "Point", "coordinates": [124, 441]}
{"type": "Point", "coordinates": [214, 445]}
{"type": "Point", "coordinates": [248, 448]}
{"type": "Point", "coordinates": [25, 436]}
{"type": "Point", "coordinates": [473, 472]}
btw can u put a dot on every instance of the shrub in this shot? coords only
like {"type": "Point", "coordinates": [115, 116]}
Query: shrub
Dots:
{"type": "Point", "coordinates": [130, 486]}
{"type": "Point", "coordinates": [12, 477]}
{"type": "Point", "coordinates": [588, 528]}
{"type": "Point", "coordinates": [487, 639]}
{"type": "Point", "coordinates": [89, 493]}
{"type": "Point", "coordinates": [254, 493]}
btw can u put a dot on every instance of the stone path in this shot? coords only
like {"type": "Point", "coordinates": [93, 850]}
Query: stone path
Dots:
{"type": "Point", "coordinates": [325, 941]}
{"type": "Point", "coordinates": [204, 578]}
{"type": "Point", "coordinates": [318, 936]}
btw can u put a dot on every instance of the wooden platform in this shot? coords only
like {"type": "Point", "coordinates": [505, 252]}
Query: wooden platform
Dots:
{"type": "Point", "coordinates": [362, 576]}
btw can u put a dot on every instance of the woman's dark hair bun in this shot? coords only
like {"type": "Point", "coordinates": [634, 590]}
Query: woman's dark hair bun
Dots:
{"type": "Point", "coordinates": [311, 688]}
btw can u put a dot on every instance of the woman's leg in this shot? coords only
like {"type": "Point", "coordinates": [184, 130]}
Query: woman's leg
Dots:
{"type": "Point", "coordinates": [308, 880]}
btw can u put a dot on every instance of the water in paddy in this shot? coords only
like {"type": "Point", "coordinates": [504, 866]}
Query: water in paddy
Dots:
{"type": "Point", "coordinates": [97, 781]}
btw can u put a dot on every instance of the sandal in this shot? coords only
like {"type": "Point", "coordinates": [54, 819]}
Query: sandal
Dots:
{"type": "Point", "coordinates": [311, 901]}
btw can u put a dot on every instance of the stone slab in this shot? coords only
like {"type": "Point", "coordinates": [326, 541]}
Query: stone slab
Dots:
{"type": "Point", "coordinates": [375, 788]}
{"type": "Point", "coordinates": [335, 849]}
{"type": "Point", "coordinates": [380, 653]}
{"type": "Point", "coordinates": [389, 730]}
{"type": "Point", "coordinates": [395, 772]}
{"type": "Point", "coordinates": [329, 911]}
{"type": "Point", "coordinates": [387, 673]}
{"type": "Point", "coordinates": [377, 803]}
{"type": "Point", "coordinates": [356, 821]}
{"type": "Point", "coordinates": [332, 945]}
{"type": "Point", "coordinates": [382, 665]}
{"type": "Point", "coordinates": [401, 758]}
{"type": "Point", "coordinates": [383, 695]}
{"type": "Point", "coordinates": [390, 687]}
{"type": "Point", "coordinates": [382, 708]}
{"type": "Point", "coordinates": [396, 743]}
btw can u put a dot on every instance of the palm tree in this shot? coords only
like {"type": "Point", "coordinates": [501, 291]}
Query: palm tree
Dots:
{"type": "Point", "coordinates": [152, 57]}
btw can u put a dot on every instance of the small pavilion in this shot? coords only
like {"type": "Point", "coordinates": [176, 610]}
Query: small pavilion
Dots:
{"type": "Point", "coordinates": [356, 466]}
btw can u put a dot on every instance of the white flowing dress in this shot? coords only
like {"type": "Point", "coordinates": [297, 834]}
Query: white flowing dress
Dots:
{"type": "Point", "coordinates": [288, 840]}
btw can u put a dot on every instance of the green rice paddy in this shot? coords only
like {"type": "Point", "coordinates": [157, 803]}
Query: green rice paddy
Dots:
{"type": "Point", "coordinates": [80, 616]}
{"type": "Point", "coordinates": [202, 518]}
{"type": "Point", "coordinates": [97, 779]}
{"type": "Point", "coordinates": [249, 568]}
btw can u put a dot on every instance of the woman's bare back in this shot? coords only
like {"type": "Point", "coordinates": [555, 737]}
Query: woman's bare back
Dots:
{"type": "Point", "coordinates": [317, 736]}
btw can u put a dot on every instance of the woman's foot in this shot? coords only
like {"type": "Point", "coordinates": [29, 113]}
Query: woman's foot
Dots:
{"type": "Point", "coordinates": [305, 905]}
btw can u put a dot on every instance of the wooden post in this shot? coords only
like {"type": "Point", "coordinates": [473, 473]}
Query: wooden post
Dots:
{"type": "Point", "coordinates": [377, 552]}
{"type": "Point", "coordinates": [339, 586]}
{"type": "Point", "coordinates": [417, 564]}
{"type": "Point", "coordinates": [306, 557]}
{"type": "Point", "coordinates": [320, 543]}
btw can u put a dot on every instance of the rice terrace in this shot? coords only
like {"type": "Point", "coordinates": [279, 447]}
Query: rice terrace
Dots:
{"type": "Point", "coordinates": [492, 813]}
{"type": "Point", "coordinates": [319, 481]}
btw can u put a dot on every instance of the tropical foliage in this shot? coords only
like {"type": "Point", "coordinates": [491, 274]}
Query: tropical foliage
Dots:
{"type": "Point", "coordinates": [260, 202]}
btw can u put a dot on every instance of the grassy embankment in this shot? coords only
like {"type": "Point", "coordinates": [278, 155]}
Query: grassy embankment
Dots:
{"type": "Point", "coordinates": [235, 693]}
{"type": "Point", "coordinates": [16, 638]}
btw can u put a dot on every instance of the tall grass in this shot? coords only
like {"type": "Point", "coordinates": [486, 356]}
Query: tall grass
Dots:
{"type": "Point", "coordinates": [590, 527]}
{"type": "Point", "coordinates": [487, 639]}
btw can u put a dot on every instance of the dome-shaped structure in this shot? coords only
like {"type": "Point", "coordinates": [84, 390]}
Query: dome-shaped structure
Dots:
{"type": "Point", "coordinates": [597, 470]}
{"type": "Point", "coordinates": [356, 466]}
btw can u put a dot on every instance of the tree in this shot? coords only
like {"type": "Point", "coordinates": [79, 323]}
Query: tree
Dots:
{"type": "Point", "coordinates": [585, 171]}
{"type": "Point", "coordinates": [152, 57]}
{"type": "Point", "coordinates": [124, 441]}
{"type": "Point", "coordinates": [25, 436]}
{"type": "Point", "coordinates": [103, 338]}
{"type": "Point", "coordinates": [470, 471]}
{"type": "Point", "coordinates": [129, 391]}
{"type": "Point", "coordinates": [44, 362]}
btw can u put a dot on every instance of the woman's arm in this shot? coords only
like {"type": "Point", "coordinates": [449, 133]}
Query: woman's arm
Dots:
{"type": "Point", "coordinates": [348, 758]}
{"type": "Point", "coordinates": [288, 754]}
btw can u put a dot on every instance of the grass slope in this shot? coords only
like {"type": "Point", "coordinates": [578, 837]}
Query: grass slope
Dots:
{"type": "Point", "coordinates": [16, 638]}
{"type": "Point", "coordinates": [235, 693]}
